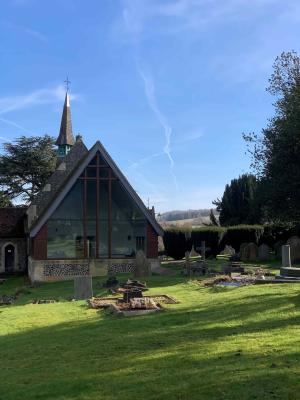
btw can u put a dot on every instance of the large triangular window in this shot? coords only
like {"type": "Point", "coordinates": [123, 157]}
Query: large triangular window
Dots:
{"type": "Point", "coordinates": [97, 218]}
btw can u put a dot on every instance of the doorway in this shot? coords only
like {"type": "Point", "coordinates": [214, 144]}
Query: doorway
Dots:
{"type": "Point", "coordinates": [9, 256]}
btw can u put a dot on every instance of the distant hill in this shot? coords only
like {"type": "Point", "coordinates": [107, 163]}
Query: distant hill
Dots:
{"type": "Point", "coordinates": [185, 217]}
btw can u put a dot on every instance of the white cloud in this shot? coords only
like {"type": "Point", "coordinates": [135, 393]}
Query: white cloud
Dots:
{"type": "Point", "coordinates": [4, 139]}
{"type": "Point", "coordinates": [37, 97]}
{"type": "Point", "coordinates": [144, 160]}
{"type": "Point", "coordinates": [12, 123]}
{"type": "Point", "coordinates": [36, 34]}
{"type": "Point", "coordinates": [146, 189]}
{"type": "Point", "coordinates": [150, 95]}
{"type": "Point", "coordinates": [189, 136]}
{"type": "Point", "coordinates": [21, 29]}
{"type": "Point", "coordinates": [189, 14]}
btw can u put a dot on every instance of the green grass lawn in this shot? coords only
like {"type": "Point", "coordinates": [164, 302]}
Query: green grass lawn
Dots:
{"type": "Point", "coordinates": [218, 343]}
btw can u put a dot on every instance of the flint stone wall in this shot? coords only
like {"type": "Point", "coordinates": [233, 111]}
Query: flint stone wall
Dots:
{"type": "Point", "coordinates": [55, 270]}
{"type": "Point", "coordinates": [120, 268]}
{"type": "Point", "coordinates": [70, 269]}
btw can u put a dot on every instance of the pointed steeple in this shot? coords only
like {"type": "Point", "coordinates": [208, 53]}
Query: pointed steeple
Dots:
{"type": "Point", "coordinates": [65, 139]}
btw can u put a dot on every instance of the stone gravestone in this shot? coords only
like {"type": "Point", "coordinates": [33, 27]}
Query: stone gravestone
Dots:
{"type": "Point", "coordinates": [142, 265]}
{"type": "Point", "coordinates": [193, 252]}
{"type": "Point", "coordinates": [228, 251]}
{"type": "Point", "coordinates": [286, 256]}
{"type": "Point", "coordinates": [278, 248]}
{"type": "Point", "coordinates": [294, 243]}
{"type": "Point", "coordinates": [83, 288]}
{"type": "Point", "coordinates": [203, 249]}
{"type": "Point", "coordinates": [242, 246]}
{"type": "Point", "coordinates": [263, 252]}
{"type": "Point", "coordinates": [250, 252]}
{"type": "Point", "coordinates": [187, 263]}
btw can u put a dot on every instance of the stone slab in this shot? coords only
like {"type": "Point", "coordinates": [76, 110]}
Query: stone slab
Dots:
{"type": "Point", "coordinates": [83, 288]}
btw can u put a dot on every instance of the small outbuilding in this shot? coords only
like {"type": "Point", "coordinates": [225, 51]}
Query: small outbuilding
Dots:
{"type": "Point", "coordinates": [13, 248]}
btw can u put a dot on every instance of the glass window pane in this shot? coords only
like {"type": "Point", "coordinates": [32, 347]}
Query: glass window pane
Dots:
{"type": "Point", "coordinates": [123, 207]}
{"type": "Point", "coordinates": [91, 199]}
{"type": "Point", "coordinates": [101, 160]}
{"type": "Point", "coordinates": [123, 242]}
{"type": "Point", "coordinates": [91, 238]}
{"type": "Point", "coordinates": [65, 239]}
{"type": "Point", "coordinates": [72, 205]}
{"type": "Point", "coordinates": [91, 172]}
{"type": "Point", "coordinates": [103, 200]}
{"type": "Point", "coordinates": [94, 161]}
{"type": "Point", "coordinates": [103, 238]}
{"type": "Point", "coordinates": [103, 172]}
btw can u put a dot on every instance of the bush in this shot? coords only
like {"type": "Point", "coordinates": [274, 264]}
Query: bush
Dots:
{"type": "Point", "coordinates": [236, 235]}
{"type": "Point", "coordinates": [274, 233]}
{"type": "Point", "coordinates": [178, 240]}
{"type": "Point", "coordinates": [175, 242]}
{"type": "Point", "coordinates": [212, 235]}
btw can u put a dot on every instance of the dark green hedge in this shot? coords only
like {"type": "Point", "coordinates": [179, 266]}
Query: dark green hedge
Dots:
{"type": "Point", "coordinates": [236, 235]}
{"type": "Point", "coordinates": [275, 233]}
{"type": "Point", "coordinates": [178, 240]}
{"type": "Point", "coordinates": [212, 237]}
{"type": "Point", "coordinates": [176, 243]}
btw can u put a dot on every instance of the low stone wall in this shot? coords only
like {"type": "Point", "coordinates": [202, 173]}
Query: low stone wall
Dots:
{"type": "Point", "coordinates": [56, 270]}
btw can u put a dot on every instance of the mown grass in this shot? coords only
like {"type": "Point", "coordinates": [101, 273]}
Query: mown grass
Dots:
{"type": "Point", "coordinates": [218, 343]}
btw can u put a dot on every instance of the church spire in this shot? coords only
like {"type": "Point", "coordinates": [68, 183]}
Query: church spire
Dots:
{"type": "Point", "coordinates": [65, 139]}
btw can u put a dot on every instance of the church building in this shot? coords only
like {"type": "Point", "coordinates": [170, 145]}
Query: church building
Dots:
{"type": "Point", "coordinates": [87, 220]}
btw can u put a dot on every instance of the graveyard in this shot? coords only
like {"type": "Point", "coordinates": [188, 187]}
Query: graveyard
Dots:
{"type": "Point", "coordinates": [217, 341]}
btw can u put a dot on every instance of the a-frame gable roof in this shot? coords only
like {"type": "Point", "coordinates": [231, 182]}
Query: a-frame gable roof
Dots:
{"type": "Point", "coordinates": [72, 179]}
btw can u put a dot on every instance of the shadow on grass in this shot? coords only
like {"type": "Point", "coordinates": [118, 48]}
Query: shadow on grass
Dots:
{"type": "Point", "coordinates": [177, 354]}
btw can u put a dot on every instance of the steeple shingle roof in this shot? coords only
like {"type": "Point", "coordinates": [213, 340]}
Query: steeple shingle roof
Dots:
{"type": "Point", "coordinates": [66, 134]}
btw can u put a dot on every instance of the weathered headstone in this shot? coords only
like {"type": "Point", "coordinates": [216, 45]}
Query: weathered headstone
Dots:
{"type": "Point", "coordinates": [294, 243]}
{"type": "Point", "coordinates": [187, 263]}
{"type": "Point", "coordinates": [263, 252]}
{"type": "Point", "coordinates": [83, 288]}
{"type": "Point", "coordinates": [228, 251]}
{"type": "Point", "coordinates": [286, 256]}
{"type": "Point", "coordinates": [194, 253]}
{"type": "Point", "coordinates": [242, 246]}
{"type": "Point", "coordinates": [142, 265]}
{"type": "Point", "coordinates": [278, 248]}
{"type": "Point", "coordinates": [203, 250]}
{"type": "Point", "coordinates": [250, 252]}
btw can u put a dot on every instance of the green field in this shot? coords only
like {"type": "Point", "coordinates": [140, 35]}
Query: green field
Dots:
{"type": "Point", "coordinates": [218, 343]}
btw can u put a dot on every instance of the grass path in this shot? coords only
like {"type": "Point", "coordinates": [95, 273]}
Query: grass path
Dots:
{"type": "Point", "coordinates": [218, 343]}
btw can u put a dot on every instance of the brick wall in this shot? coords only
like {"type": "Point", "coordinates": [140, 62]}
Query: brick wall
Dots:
{"type": "Point", "coordinates": [152, 242]}
{"type": "Point", "coordinates": [40, 244]}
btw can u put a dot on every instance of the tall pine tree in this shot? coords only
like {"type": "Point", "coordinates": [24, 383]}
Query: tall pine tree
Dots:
{"type": "Point", "coordinates": [239, 203]}
{"type": "Point", "coordinates": [276, 152]}
{"type": "Point", "coordinates": [25, 166]}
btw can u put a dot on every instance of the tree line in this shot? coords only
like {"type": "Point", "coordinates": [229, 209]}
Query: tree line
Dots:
{"type": "Point", "coordinates": [271, 193]}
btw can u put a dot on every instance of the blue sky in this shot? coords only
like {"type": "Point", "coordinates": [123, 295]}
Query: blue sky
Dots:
{"type": "Point", "coordinates": [167, 86]}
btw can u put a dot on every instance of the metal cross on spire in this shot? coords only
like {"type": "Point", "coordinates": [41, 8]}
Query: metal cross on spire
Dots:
{"type": "Point", "coordinates": [67, 82]}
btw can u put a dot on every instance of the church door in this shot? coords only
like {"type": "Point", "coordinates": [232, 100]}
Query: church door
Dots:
{"type": "Point", "coordinates": [9, 258]}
